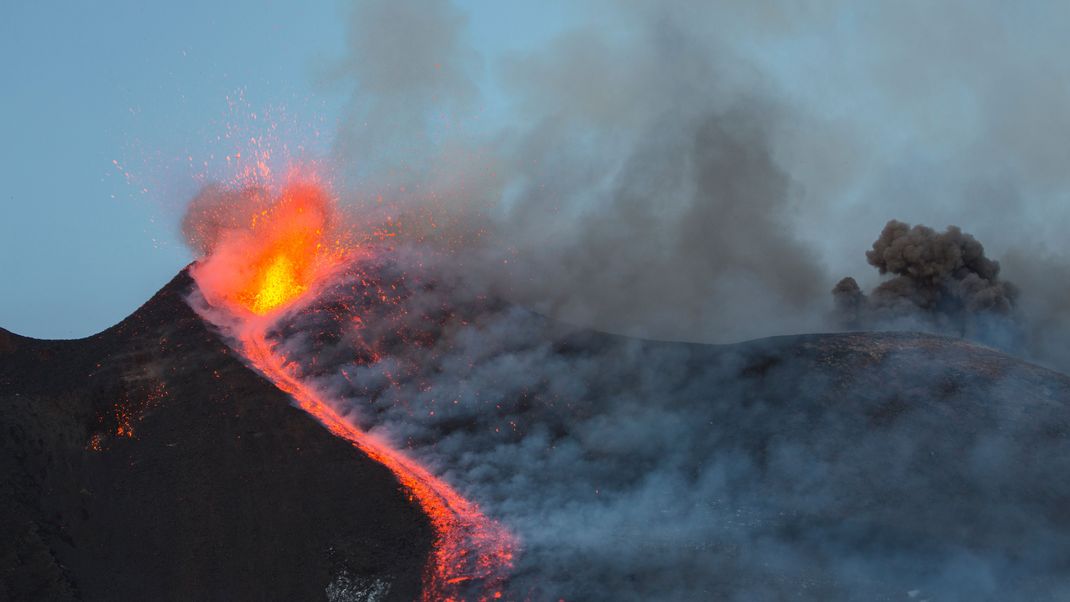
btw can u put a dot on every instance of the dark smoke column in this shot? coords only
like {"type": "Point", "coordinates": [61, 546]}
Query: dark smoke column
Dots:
{"type": "Point", "coordinates": [942, 281]}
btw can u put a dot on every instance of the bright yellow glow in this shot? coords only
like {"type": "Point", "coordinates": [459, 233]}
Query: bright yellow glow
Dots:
{"type": "Point", "coordinates": [279, 284]}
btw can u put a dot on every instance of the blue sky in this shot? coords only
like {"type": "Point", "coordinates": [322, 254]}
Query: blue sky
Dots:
{"type": "Point", "coordinates": [82, 244]}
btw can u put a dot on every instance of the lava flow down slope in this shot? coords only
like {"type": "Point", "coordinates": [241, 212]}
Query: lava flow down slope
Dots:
{"type": "Point", "coordinates": [305, 414]}
{"type": "Point", "coordinates": [266, 253]}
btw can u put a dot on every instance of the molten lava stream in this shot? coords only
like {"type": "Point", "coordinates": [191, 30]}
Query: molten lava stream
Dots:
{"type": "Point", "coordinates": [468, 546]}
{"type": "Point", "coordinates": [263, 252]}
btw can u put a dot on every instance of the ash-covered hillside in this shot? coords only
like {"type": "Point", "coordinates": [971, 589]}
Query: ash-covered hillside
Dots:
{"type": "Point", "coordinates": [148, 463]}
{"type": "Point", "coordinates": [851, 466]}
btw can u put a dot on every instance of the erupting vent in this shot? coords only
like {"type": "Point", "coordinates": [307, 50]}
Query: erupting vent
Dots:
{"type": "Point", "coordinates": [264, 253]}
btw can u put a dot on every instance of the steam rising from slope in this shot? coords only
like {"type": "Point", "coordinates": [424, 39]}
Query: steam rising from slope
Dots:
{"type": "Point", "coordinates": [634, 470]}
{"type": "Point", "coordinates": [685, 235]}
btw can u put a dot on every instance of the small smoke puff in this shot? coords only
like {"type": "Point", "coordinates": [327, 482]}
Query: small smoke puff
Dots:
{"type": "Point", "coordinates": [849, 300]}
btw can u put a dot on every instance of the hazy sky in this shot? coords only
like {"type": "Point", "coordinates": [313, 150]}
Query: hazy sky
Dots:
{"type": "Point", "coordinates": [114, 113]}
{"type": "Point", "coordinates": [146, 85]}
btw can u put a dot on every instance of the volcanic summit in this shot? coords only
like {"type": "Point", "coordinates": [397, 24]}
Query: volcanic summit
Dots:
{"type": "Point", "coordinates": [147, 462]}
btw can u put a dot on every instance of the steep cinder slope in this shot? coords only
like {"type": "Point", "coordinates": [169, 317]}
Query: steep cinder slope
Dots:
{"type": "Point", "coordinates": [147, 462]}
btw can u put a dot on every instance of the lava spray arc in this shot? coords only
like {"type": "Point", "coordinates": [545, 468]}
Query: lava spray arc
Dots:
{"type": "Point", "coordinates": [264, 253]}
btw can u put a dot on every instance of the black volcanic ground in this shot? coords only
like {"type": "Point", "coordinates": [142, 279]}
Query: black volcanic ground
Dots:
{"type": "Point", "coordinates": [224, 492]}
{"type": "Point", "coordinates": [906, 446]}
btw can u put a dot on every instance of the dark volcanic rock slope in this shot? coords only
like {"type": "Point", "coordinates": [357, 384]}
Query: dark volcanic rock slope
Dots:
{"type": "Point", "coordinates": [852, 466]}
{"type": "Point", "coordinates": [147, 463]}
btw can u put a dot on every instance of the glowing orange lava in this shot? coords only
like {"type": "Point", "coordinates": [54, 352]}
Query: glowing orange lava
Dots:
{"type": "Point", "coordinates": [468, 546]}
{"type": "Point", "coordinates": [261, 257]}
{"type": "Point", "coordinates": [263, 253]}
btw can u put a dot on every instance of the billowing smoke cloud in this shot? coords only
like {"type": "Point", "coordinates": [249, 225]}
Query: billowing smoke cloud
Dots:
{"type": "Point", "coordinates": [703, 171]}
{"type": "Point", "coordinates": [686, 237]}
{"type": "Point", "coordinates": [630, 197]}
{"type": "Point", "coordinates": [940, 281]}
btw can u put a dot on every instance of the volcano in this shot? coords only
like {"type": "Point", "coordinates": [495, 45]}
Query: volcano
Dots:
{"type": "Point", "coordinates": [149, 462]}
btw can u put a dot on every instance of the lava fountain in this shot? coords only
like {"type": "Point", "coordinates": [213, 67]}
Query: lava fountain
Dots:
{"type": "Point", "coordinates": [263, 255]}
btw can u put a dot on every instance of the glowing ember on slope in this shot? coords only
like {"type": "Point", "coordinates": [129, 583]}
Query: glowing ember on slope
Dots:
{"type": "Point", "coordinates": [263, 254]}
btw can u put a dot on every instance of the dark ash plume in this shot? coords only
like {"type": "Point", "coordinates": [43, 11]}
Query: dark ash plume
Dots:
{"type": "Point", "coordinates": [936, 269]}
{"type": "Point", "coordinates": [942, 281]}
